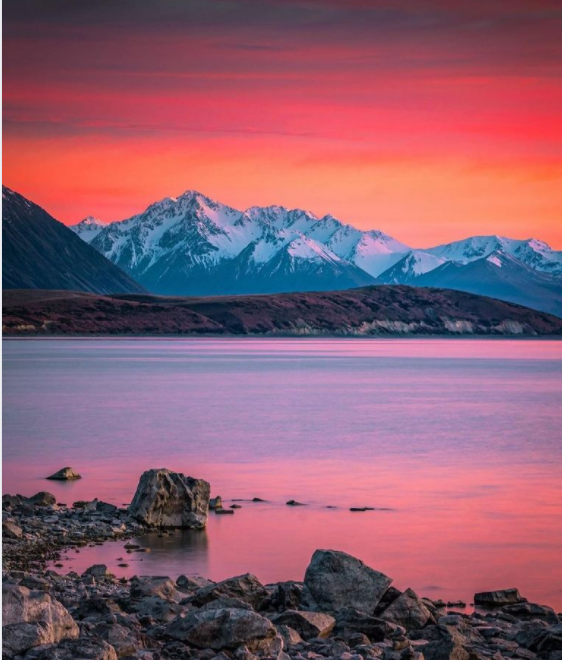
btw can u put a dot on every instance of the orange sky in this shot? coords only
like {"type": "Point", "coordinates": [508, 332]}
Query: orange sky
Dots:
{"type": "Point", "coordinates": [430, 120]}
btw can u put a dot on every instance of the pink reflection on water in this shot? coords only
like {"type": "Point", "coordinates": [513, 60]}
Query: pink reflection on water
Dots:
{"type": "Point", "coordinates": [447, 531]}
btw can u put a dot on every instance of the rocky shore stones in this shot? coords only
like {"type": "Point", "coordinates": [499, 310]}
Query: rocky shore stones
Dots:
{"type": "Point", "coordinates": [225, 628]}
{"type": "Point", "coordinates": [162, 587]}
{"type": "Point", "coordinates": [246, 587]}
{"type": "Point", "coordinates": [337, 580]}
{"type": "Point", "coordinates": [307, 624]}
{"type": "Point", "coordinates": [85, 648]}
{"type": "Point", "coordinates": [10, 530]}
{"type": "Point", "coordinates": [408, 610]}
{"type": "Point", "coordinates": [32, 618]}
{"type": "Point", "coordinates": [65, 474]}
{"type": "Point", "coordinates": [497, 598]}
{"type": "Point", "coordinates": [170, 499]}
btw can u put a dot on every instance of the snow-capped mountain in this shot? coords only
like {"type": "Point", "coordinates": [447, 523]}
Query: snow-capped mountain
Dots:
{"type": "Point", "coordinates": [499, 275]}
{"type": "Point", "coordinates": [88, 228]}
{"type": "Point", "coordinates": [410, 267]}
{"type": "Point", "coordinates": [532, 252]}
{"type": "Point", "coordinates": [193, 245]}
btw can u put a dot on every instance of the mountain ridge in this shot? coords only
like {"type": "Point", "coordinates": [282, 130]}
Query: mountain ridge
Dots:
{"type": "Point", "coordinates": [40, 252]}
{"type": "Point", "coordinates": [192, 244]}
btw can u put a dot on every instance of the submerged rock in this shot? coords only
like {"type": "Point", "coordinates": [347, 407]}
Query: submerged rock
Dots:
{"type": "Point", "coordinates": [65, 474]}
{"type": "Point", "coordinates": [226, 628]}
{"type": "Point", "coordinates": [337, 580]}
{"type": "Point", "coordinates": [497, 598]}
{"type": "Point", "coordinates": [170, 499]}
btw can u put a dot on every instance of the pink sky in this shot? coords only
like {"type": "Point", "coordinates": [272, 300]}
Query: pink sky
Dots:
{"type": "Point", "coordinates": [426, 120]}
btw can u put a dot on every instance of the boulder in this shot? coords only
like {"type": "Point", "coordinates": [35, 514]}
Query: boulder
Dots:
{"type": "Point", "coordinates": [192, 582]}
{"type": "Point", "coordinates": [158, 609]}
{"type": "Point", "coordinates": [246, 587]}
{"type": "Point", "coordinates": [32, 618]}
{"type": "Point", "coordinates": [287, 595]}
{"type": "Point", "coordinates": [408, 611]}
{"type": "Point", "coordinates": [337, 580]}
{"type": "Point", "coordinates": [42, 499]}
{"type": "Point", "coordinates": [452, 639]}
{"type": "Point", "coordinates": [10, 530]}
{"type": "Point", "coordinates": [170, 499]}
{"type": "Point", "coordinates": [548, 641]}
{"type": "Point", "coordinates": [215, 502]}
{"type": "Point", "coordinates": [307, 624]}
{"type": "Point", "coordinates": [124, 640]}
{"type": "Point", "coordinates": [349, 620]}
{"type": "Point", "coordinates": [163, 587]}
{"type": "Point", "coordinates": [497, 598]}
{"type": "Point", "coordinates": [527, 611]}
{"type": "Point", "coordinates": [85, 648]}
{"type": "Point", "coordinates": [223, 629]}
{"type": "Point", "coordinates": [289, 635]}
{"type": "Point", "coordinates": [97, 571]}
{"type": "Point", "coordinates": [65, 474]}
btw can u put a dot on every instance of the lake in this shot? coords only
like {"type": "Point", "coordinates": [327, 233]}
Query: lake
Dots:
{"type": "Point", "coordinates": [455, 442]}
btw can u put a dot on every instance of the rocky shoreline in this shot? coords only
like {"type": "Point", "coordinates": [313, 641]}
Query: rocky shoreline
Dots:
{"type": "Point", "coordinates": [342, 610]}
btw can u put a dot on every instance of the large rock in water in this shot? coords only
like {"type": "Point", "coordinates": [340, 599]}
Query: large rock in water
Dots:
{"type": "Point", "coordinates": [32, 618]}
{"type": "Point", "coordinates": [226, 628]}
{"type": "Point", "coordinates": [337, 580]}
{"type": "Point", "coordinates": [170, 499]}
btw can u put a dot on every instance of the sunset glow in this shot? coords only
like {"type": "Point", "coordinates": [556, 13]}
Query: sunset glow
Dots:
{"type": "Point", "coordinates": [429, 120]}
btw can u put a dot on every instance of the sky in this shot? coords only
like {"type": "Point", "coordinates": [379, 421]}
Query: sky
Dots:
{"type": "Point", "coordinates": [431, 120]}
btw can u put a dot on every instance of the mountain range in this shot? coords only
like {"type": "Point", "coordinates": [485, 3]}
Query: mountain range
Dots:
{"type": "Point", "coordinates": [40, 252]}
{"type": "Point", "coordinates": [193, 245]}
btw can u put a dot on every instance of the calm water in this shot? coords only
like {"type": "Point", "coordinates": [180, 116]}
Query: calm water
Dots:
{"type": "Point", "coordinates": [457, 440]}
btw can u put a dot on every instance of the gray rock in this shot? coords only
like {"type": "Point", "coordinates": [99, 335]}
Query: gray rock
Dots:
{"type": "Point", "coordinates": [497, 598]}
{"type": "Point", "coordinates": [246, 587]}
{"type": "Point", "coordinates": [290, 636]}
{"type": "Point", "coordinates": [337, 580]}
{"type": "Point", "coordinates": [349, 620]}
{"type": "Point", "coordinates": [287, 595]}
{"type": "Point", "coordinates": [85, 648]}
{"type": "Point", "coordinates": [528, 611]}
{"type": "Point", "coordinates": [408, 611]}
{"type": "Point", "coordinates": [225, 603]}
{"type": "Point", "coordinates": [307, 624]}
{"type": "Point", "coordinates": [97, 571]}
{"type": "Point", "coordinates": [192, 582]}
{"type": "Point", "coordinates": [170, 499]}
{"type": "Point", "coordinates": [548, 642]}
{"type": "Point", "coordinates": [163, 587]}
{"type": "Point", "coordinates": [43, 498]}
{"type": "Point", "coordinates": [223, 629]}
{"type": "Point", "coordinates": [32, 618]}
{"type": "Point", "coordinates": [65, 474]}
{"type": "Point", "coordinates": [124, 640]}
{"type": "Point", "coordinates": [10, 530]}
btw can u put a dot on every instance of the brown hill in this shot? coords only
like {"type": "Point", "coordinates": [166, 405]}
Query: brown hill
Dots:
{"type": "Point", "coordinates": [375, 310]}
